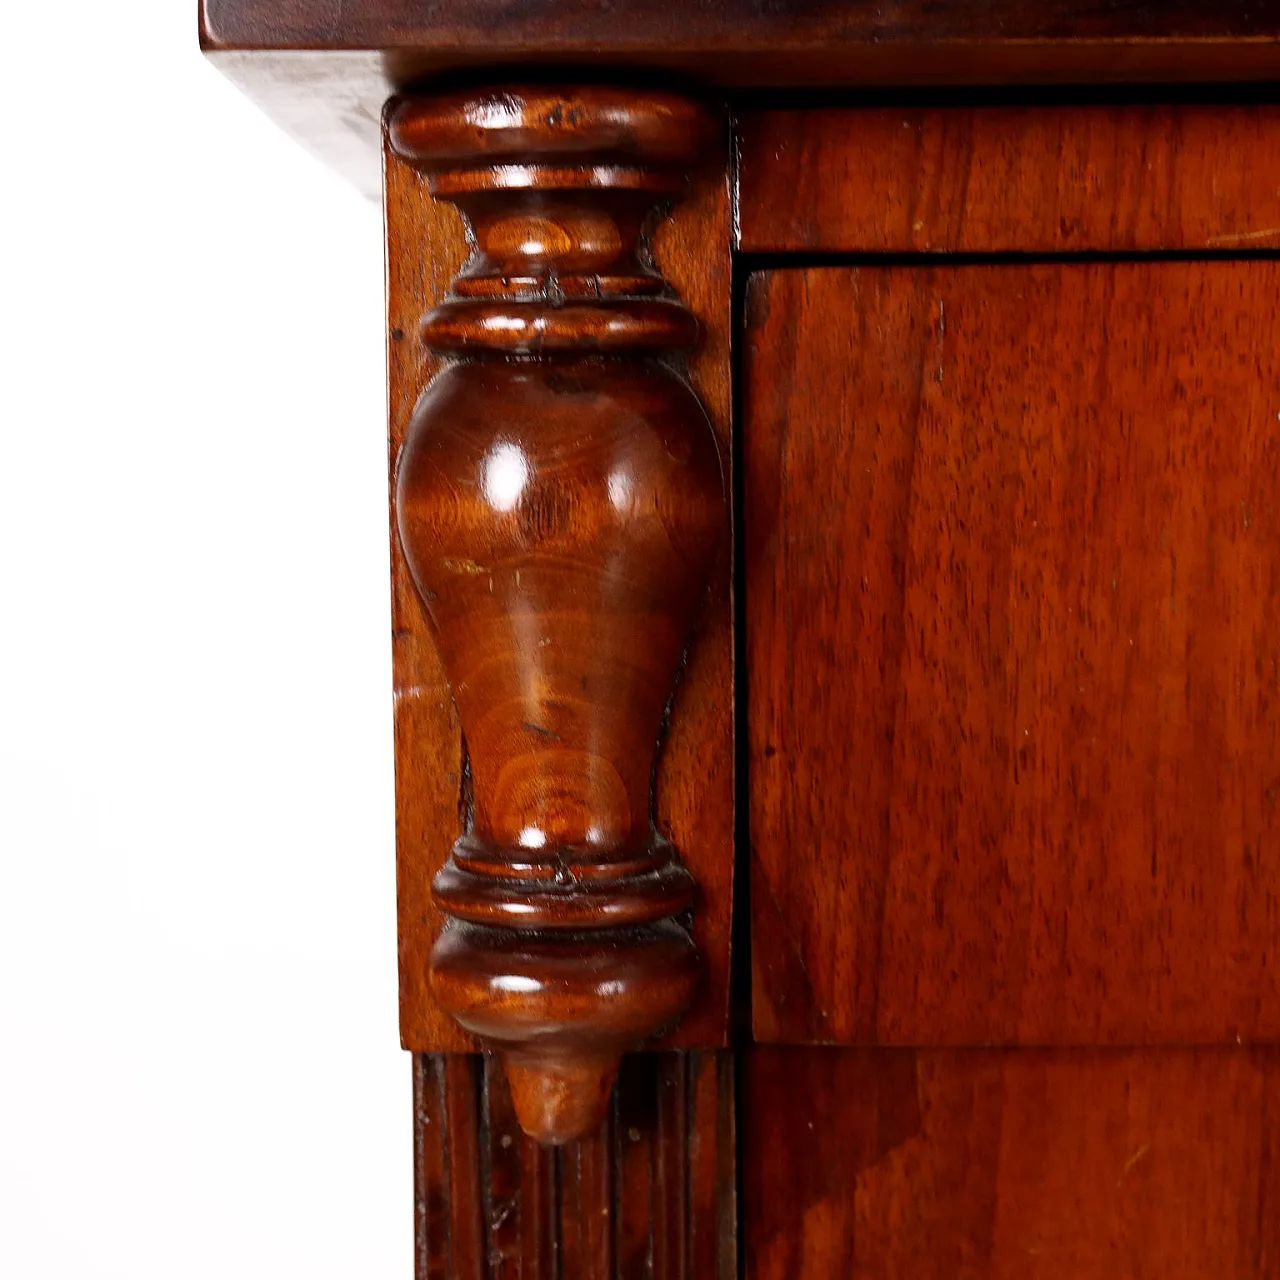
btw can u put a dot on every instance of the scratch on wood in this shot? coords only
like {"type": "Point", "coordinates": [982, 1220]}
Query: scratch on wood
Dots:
{"type": "Point", "coordinates": [1135, 1159]}
{"type": "Point", "coordinates": [1245, 237]}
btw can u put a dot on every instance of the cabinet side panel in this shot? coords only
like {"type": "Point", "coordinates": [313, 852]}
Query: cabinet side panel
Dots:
{"type": "Point", "coordinates": [426, 247]}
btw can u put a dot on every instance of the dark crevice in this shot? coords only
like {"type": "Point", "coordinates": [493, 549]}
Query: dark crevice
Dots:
{"type": "Point", "coordinates": [740, 969]}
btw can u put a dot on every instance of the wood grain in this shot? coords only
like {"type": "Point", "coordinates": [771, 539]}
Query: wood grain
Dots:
{"type": "Point", "coordinates": [651, 1195]}
{"type": "Point", "coordinates": [694, 794]}
{"type": "Point", "coordinates": [739, 42]}
{"type": "Point", "coordinates": [1011, 1165]}
{"type": "Point", "coordinates": [560, 500]}
{"type": "Point", "coordinates": [1010, 179]}
{"type": "Point", "coordinates": [322, 68]}
{"type": "Point", "coordinates": [1013, 635]}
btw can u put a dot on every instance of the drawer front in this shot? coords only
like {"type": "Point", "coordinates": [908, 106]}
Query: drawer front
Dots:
{"type": "Point", "coordinates": [1013, 652]}
{"type": "Point", "coordinates": [972, 1164]}
{"type": "Point", "coordinates": [1011, 179]}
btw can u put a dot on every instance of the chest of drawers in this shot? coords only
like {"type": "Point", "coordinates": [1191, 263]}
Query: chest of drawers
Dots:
{"type": "Point", "coordinates": [834, 459]}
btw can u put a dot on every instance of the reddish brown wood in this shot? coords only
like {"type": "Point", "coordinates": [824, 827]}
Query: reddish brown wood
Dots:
{"type": "Point", "coordinates": [426, 247]}
{"type": "Point", "coordinates": [323, 68]}
{"type": "Point", "coordinates": [1009, 179]}
{"type": "Point", "coordinates": [1012, 1165]}
{"type": "Point", "coordinates": [1013, 614]}
{"type": "Point", "coordinates": [739, 42]}
{"type": "Point", "coordinates": [560, 504]}
{"type": "Point", "coordinates": [649, 1194]}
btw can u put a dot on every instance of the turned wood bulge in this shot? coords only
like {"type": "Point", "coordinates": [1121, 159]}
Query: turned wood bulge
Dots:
{"type": "Point", "coordinates": [560, 501]}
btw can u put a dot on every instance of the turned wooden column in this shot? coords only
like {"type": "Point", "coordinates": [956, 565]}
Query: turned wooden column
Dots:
{"type": "Point", "coordinates": [560, 500]}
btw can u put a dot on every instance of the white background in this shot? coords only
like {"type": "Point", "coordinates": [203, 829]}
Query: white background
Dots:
{"type": "Point", "coordinates": [199, 1066]}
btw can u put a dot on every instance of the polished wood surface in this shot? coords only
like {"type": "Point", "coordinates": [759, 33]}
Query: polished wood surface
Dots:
{"type": "Point", "coordinates": [1011, 1165]}
{"type": "Point", "coordinates": [513, 26]}
{"type": "Point", "coordinates": [649, 1195]}
{"type": "Point", "coordinates": [1012, 179]}
{"type": "Point", "coordinates": [819, 42]}
{"type": "Point", "coordinates": [560, 503]}
{"type": "Point", "coordinates": [1012, 540]}
{"type": "Point", "coordinates": [1012, 668]}
{"type": "Point", "coordinates": [322, 68]}
{"type": "Point", "coordinates": [426, 247]}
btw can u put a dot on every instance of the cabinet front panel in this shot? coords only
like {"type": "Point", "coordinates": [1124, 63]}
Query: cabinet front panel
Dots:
{"type": "Point", "coordinates": [1013, 653]}
{"type": "Point", "coordinates": [1060, 1164]}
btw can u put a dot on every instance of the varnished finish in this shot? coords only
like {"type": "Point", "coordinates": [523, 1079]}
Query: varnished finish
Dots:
{"type": "Point", "coordinates": [1021, 1165]}
{"type": "Point", "coordinates": [1013, 615]}
{"type": "Point", "coordinates": [426, 248]}
{"type": "Point", "coordinates": [322, 68]}
{"type": "Point", "coordinates": [738, 42]}
{"type": "Point", "coordinates": [560, 505]}
{"type": "Point", "coordinates": [648, 1195]}
{"type": "Point", "coordinates": [536, 30]}
{"type": "Point", "coordinates": [1055, 179]}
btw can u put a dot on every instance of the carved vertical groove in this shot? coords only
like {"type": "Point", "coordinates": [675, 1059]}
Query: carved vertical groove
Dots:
{"type": "Point", "coordinates": [559, 499]}
{"type": "Point", "coordinates": [650, 1192]}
